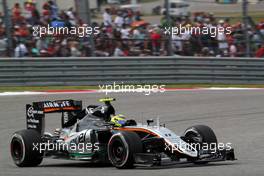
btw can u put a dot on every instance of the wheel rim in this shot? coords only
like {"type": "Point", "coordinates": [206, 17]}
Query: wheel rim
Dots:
{"type": "Point", "coordinates": [193, 136]}
{"type": "Point", "coordinates": [118, 152]}
{"type": "Point", "coordinates": [16, 149]}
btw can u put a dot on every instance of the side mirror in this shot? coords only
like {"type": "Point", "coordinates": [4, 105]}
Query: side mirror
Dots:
{"type": "Point", "coordinates": [149, 121]}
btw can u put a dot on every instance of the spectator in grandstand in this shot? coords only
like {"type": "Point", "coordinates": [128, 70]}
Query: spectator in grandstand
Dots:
{"type": "Point", "coordinates": [21, 50]}
{"type": "Point", "coordinates": [260, 51]}
{"type": "Point", "coordinates": [119, 19]}
{"type": "Point", "coordinates": [118, 50]}
{"type": "Point", "coordinates": [139, 36]}
{"type": "Point", "coordinates": [256, 40]}
{"type": "Point", "coordinates": [2, 30]}
{"type": "Point", "coordinates": [46, 14]}
{"type": "Point", "coordinates": [125, 32]}
{"type": "Point", "coordinates": [128, 17]}
{"type": "Point", "coordinates": [205, 52]}
{"type": "Point", "coordinates": [16, 14]}
{"type": "Point", "coordinates": [35, 15]}
{"type": "Point", "coordinates": [63, 50]}
{"type": "Point", "coordinates": [107, 17]}
{"type": "Point", "coordinates": [53, 9]}
{"type": "Point", "coordinates": [3, 47]}
{"type": "Point", "coordinates": [177, 44]}
{"type": "Point", "coordinates": [28, 10]}
{"type": "Point", "coordinates": [75, 52]}
{"type": "Point", "coordinates": [155, 41]}
{"type": "Point", "coordinates": [221, 38]}
{"type": "Point", "coordinates": [232, 50]}
{"type": "Point", "coordinates": [69, 17]}
{"type": "Point", "coordinates": [138, 16]}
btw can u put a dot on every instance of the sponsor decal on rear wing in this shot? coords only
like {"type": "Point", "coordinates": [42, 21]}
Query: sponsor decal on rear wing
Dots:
{"type": "Point", "coordinates": [36, 111]}
{"type": "Point", "coordinates": [61, 106]}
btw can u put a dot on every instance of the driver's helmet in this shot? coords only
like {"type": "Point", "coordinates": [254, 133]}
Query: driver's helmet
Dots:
{"type": "Point", "coordinates": [118, 120]}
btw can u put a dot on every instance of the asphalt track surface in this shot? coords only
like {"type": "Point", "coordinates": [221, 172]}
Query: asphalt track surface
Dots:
{"type": "Point", "coordinates": [236, 116]}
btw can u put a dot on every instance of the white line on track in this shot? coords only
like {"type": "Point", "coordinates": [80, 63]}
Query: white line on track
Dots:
{"type": "Point", "coordinates": [20, 93]}
{"type": "Point", "coordinates": [116, 91]}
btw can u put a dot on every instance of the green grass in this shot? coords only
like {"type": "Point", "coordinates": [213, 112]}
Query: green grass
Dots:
{"type": "Point", "coordinates": [45, 88]}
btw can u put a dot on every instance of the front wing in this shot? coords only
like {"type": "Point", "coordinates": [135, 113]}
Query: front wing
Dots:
{"type": "Point", "coordinates": [150, 159]}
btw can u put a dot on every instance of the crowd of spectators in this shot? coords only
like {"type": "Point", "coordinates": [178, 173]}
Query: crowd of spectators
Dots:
{"type": "Point", "coordinates": [123, 32]}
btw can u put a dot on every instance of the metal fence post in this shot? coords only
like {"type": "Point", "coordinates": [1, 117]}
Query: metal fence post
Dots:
{"type": "Point", "coordinates": [8, 27]}
{"type": "Point", "coordinates": [168, 18]}
{"type": "Point", "coordinates": [245, 21]}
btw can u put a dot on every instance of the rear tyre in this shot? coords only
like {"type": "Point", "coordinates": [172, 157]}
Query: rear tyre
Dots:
{"type": "Point", "coordinates": [22, 149]}
{"type": "Point", "coordinates": [122, 147]}
{"type": "Point", "coordinates": [200, 134]}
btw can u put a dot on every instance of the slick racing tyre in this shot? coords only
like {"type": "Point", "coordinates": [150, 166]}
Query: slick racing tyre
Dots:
{"type": "Point", "coordinates": [202, 135]}
{"type": "Point", "coordinates": [122, 147]}
{"type": "Point", "coordinates": [22, 149]}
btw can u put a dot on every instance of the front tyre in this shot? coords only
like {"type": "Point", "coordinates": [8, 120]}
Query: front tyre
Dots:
{"type": "Point", "coordinates": [122, 147]}
{"type": "Point", "coordinates": [22, 149]}
{"type": "Point", "coordinates": [201, 135]}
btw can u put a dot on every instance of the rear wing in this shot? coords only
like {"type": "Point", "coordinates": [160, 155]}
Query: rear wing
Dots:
{"type": "Point", "coordinates": [36, 111]}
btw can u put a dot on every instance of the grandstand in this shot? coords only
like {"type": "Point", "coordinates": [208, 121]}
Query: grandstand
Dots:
{"type": "Point", "coordinates": [123, 32]}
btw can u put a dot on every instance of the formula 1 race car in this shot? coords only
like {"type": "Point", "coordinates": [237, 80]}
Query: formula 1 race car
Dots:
{"type": "Point", "coordinates": [96, 134]}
